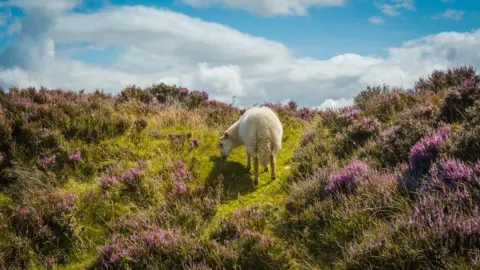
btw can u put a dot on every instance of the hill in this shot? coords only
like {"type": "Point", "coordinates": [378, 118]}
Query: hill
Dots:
{"type": "Point", "coordinates": [134, 181]}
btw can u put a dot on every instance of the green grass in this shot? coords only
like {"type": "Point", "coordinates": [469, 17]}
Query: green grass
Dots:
{"type": "Point", "coordinates": [238, 185]}
{"type": "Point", "coordinates": [93, 213]}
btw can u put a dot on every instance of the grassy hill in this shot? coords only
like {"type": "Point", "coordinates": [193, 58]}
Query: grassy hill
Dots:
{"type": "Point", "coordinates": [134, 181]}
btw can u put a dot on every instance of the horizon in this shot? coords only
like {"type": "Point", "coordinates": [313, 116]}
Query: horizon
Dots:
{"type": "Point", "coordinates": [319, 53]}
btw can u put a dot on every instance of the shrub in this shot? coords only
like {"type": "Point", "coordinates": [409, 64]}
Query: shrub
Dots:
{"type": "Point", "coordinates": [356, 135]}
{"type": "Point", "coordinates": [396, 141]}
{"type": "Point", "coordinates": [440, 80]}
{"type": "Point", "coordinates": [48, 223]}
{"type": "Point", "coordinates": [133, 92]}
{"type": "Point", "coordinates": [460, 98]}
{"type": "Point", "coordinates": [385, 102]}
{"type": "Point", "coordinates": [425, 151]}
{"type": "Point", "coordinates": [346, 180]}
{"type": "Point", "coordinates": [230, 227]}
{"type": "Point", "coordinates": [463, 144]}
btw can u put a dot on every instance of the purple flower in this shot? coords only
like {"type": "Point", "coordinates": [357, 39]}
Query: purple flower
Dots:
{"type": "Point", "coordinates": [75, 157]}
{"type": "Point", "coordinates": [48, 160]}
{"type": "Point", "coordinates": [205, 95]}
{"type": "Point", "coordinates": [179, 188]}
{"type": "Point", "coordinates": [477, 166]}
{"type": "Point", "coordinates": [426, 150]}
{"type": "Point", "coordinates": [347, 178]}
{"type": "Point", "coordinates": [349, 113]}
{"type": "Point", "coordinates": [108, 181]}
{"type": "Point", "coordinates": [195, 142]}
{"type": "Point", "coordinates": [49, 261]}
{"type": "Point", "coordinates": [183, 91]}
{"type": "Point", "coordinates": [131, 174]}
{"type": "Point", "coordinates": [452, 171]}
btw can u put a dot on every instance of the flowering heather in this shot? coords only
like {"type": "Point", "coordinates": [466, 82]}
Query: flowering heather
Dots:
{"type": "Point", "coordinates": [363, 129]}
{"type": "Point", "coordinates": [107, 182]}
{"type": "Point", "coordinates": [349, 114]}
{"type": "Point", "coordinates": [179, 188]}
{"type": "Point", "coordinates": [251, 218]}
{"type": "Point", "coordinates": [75, 157]}
{"type": "Point", "coordinates": [131, 174]}
{"type": "Point", "coordinates": [439, 80]}
{"type": "Point", "coordinates": [348, 178]}
{"type": "Point", "coordinates": [426, 150]}
{"type": "Point", "coordinates": [49, 261]}
{"type": "Point", "coordinates": [48, 160]}
{"type": "Point", "coordinates": [459, 99]}
{"type": "Point", "coordinates": [452, 172]}
{"type": "Point", "coordinates": [195, 142]}
{"type": "Point", "coordinates": [183, 91]}
{"type": "Point", "coordinates": [131, 223]}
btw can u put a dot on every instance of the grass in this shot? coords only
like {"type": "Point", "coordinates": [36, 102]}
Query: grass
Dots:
{"type": "Point", "coordinates": [94, 181]}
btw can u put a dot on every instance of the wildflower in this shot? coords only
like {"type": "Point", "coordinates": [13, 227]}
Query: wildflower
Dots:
{"type": "Point", "coordinates": [347, 178]}
{"type": "Point", "coordinates": [75, 157]}
{"type": "Point", "coordinates": [426, 150]}
{"type": "Point", "coordinates": [452, 171]}
{"type": "Point", "coordinates": [194, 142]}
{"type": "Point", "coordinates": [183, 91]}
{"type": "Point", "coordinates": [130, 174]}
{"type": "Point", "coordinates": [49, 261]}
{"type": "Point", "coordinates": [179, 188]}
{"type": "Point", "coordinates": [48, 160]}
{"type": "Point", "coordinates": [108, 181]}
{"type": "Point", "coordinates": [205, 95]}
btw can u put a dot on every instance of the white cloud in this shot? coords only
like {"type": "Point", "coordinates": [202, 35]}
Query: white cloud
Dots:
{"type": "Point", "coordinates": [392, 7]}
{"type": "Point", "coordinates": [335, 103]}
{"type": "Point", "coordinates": [50, 5]}
{"type": "Point", "coordinates": [375, 20]}
{"type": "Point", "coordinates": [268, 7]}
{"type": "Point", "coordinates": [164, 46]}
{"type": "Point", "coordinates": [451, 14]}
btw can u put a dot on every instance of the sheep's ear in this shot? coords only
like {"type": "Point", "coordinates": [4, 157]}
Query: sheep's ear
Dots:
{"type": "Point", "coordinates": [226, 134]}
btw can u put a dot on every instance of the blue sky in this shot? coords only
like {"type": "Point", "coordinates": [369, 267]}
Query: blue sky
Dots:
{"type": "Point", "coordinates": [324, 32]}
{"type": "Point", "coordinates": [359, 27]}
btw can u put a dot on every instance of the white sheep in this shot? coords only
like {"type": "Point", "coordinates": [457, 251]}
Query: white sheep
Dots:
{"type": "Point", "coordinates": [260, 130]}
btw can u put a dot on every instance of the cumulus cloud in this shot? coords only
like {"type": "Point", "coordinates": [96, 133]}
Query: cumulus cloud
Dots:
{"type": "Point", "coordinates": [335, 103]}
{"type": "Point", "coordinates": [375, 20]}
{"type": "Point", "coordinates": [268, 7]}
{"type": "Point", "coordinates": [392, 7]}
{"type": "Point", "coordinates": [450, 14]}
{"type": "Point", "coordinates": [163, 46]}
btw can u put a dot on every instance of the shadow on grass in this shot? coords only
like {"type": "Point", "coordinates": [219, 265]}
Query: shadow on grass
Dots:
{"type": "Point", "coordinates": [236, 181]}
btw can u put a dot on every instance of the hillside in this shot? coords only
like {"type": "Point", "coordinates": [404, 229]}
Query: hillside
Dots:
{"type": "Point", "coordinates": [134, 181]}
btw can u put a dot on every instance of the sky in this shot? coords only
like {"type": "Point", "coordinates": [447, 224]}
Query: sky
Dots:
{"type": "Point", "coordinates": [320, 53]}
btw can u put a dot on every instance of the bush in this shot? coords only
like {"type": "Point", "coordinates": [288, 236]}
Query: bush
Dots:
{"type": "Point", "coordinates": [396, 140]}
{"type": "Point", "coordinates": [459, 99]}
{"type": "Point", "coordinates": [384, 103]}
{"type": "Point", "coordinates": [439, 80]}
{"type": "Point", "coordinates": [48, 224]}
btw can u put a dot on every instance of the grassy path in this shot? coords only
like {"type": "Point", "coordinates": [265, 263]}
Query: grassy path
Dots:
{"type": "Point", "coordinates": [239, 187]}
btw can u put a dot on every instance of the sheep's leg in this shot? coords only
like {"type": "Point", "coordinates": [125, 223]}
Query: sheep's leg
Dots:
{"type": "Point", "coordinates": [265, 169]}
{"type": "Point", "coordinates": [248, 162]}
{"type": "Point", "coordinates": [273, 165]}
{"type": "Point", "coordinates": [255, 168]}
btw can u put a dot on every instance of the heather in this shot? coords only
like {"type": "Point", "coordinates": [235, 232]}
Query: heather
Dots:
{"type": "Point", "coordinates": [134, 181]}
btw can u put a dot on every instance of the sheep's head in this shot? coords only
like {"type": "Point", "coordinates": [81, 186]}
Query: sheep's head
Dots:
{"type": "Point", "coordinates": [225, 145]}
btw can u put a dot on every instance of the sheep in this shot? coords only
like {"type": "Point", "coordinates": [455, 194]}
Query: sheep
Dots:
{"type": "Point", "coordinates": [261, 131]}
